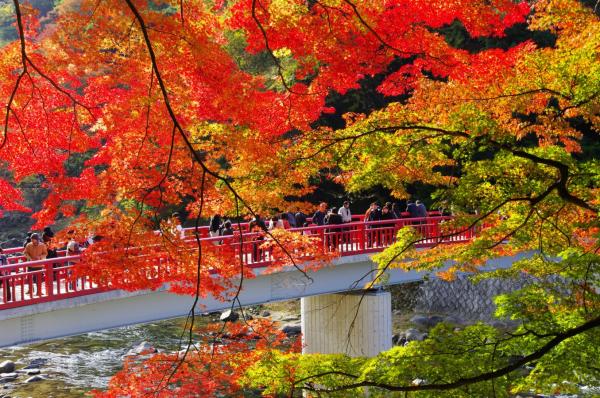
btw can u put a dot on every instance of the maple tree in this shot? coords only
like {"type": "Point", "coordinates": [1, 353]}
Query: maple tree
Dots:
{"type": "Point", "coordinates": [131, 107]}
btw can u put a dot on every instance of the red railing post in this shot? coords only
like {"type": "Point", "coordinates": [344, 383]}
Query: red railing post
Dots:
{"type": "Point", "coordinates": [321, 233]}
{"type": "Point", "coordinates": [361, 236]}
{"type": "Point", "coordinates": [49, 279]}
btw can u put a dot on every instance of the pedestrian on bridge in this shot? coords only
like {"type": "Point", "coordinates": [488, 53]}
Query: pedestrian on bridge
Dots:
{"type": "Point", "coordinates": [421, 209]}
{"type": "Point", "coordinates": [276, 223]}
{"type": "Point", "coordinates": [319, 216]}
{"type": "Point", "coordinates": [387, 230]}
{"type": "Point", "coordinates": [411, 209]}
{"type": "Point", "coordinates": [34, 251]}
{"type": "Point", "coordinates": [346, 215]}
{"type": "Point", "coordinates": [345, 212]}
{"type": "Point", "coordinates": [396, 212]}
{"type": "Point", "coordinates": [300, 218]}
{"type": "Point", "coordinates": [5, 282]}
{"type": "Point", "coordinates": [372, 214]}
{"type": "Point", "coordinates": [215, 226]}
{"type": "Point", "coordinates": [177, 229]}
{"type": "Point", "coordinates": [333, 218]}
{"type": "Point", "coordinates": [73, 249]}
{"type": "Point", "coordinates": [291, 219]}
{"type": "Point", "coordinates": [257, 240]}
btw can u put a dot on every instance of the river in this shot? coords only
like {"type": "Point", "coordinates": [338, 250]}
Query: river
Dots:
{"type": "Point", "coordinates": [78, 364]}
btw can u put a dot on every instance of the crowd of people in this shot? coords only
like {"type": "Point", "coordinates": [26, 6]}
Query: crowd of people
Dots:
{"type": "Point", "coordinates": [40, 247]}
{"type": "Point", "coordinates": [324, 215]}
{"type": "Point", "coordinates": [43, 246]}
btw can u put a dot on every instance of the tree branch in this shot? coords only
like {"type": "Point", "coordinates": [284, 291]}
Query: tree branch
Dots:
{"type": "Point", "coordinates": [465, 381]}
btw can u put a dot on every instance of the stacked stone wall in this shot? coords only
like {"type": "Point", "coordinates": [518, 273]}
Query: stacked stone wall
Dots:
{"type": "Point", "coordinates": [459, 298]}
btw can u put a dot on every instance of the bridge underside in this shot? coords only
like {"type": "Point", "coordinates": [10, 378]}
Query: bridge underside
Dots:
{"type": "Point", "coordinates": [118, 308]}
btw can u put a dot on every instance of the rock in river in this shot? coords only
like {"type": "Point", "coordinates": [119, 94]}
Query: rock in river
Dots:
{"type": "Point", "coordinates": [291, 329]}
{"type": "Point", "coordinates": [35, 378]}
{"type": "Point", "coordinates": [36, 363]}
{"type": "Point", "coordinates": [6, 377]}
{"type": "Point", "coordinates": [144, 348]}
{"type": "Point", "coordinates": [426, 321]}
{"type": "Point", "coordinates": [229, 316]}
{"type": "Point", "coordinates": [7, 367]}
{"type": "Point", "coordinates": [414, 334]}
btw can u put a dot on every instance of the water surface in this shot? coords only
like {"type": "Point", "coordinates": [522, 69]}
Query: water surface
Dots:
{"type": "Point", "coordinates": [78, 364]}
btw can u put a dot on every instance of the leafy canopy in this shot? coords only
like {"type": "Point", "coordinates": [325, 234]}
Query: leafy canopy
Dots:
{"type": "Point", "coordinates": [220, 105]}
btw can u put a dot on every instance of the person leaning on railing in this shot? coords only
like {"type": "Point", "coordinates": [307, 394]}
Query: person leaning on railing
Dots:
{"type": "Point", "coordinates": [256, 228]}
{"type": "Point", "coordinates": [5, 284]}
{"type": "Point", "coordinates": [346, 215]}
{"type": "Point", "coordinates": [387, 235]}
{"type": "Point", "coordinates": [3, 258]}
{"type": "Point", "coordinates": [73, 249]}
{"type": "Point", "coordinates": [34, 251]}
{"type": "Point", "coordinates": [373, 213]}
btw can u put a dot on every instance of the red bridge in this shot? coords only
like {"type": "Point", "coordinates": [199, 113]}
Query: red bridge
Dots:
{"type": "Point", "coordinates": [24, 283]}
{"type": "Point", "coordinates": [41, 299]}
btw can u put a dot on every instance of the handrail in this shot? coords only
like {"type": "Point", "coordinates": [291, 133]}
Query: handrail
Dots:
{"type": "Point", "coordinates": [313, 228]}
{"type": "Point", "coordinates": [52, 279]}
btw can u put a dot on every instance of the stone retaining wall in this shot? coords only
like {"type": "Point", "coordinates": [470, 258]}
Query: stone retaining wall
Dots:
{"type": "Point", "coordinates": [459, 298]}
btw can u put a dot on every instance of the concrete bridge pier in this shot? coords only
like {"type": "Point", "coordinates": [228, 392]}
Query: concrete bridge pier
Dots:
{"type": "Point", "coordinates": [353, 323]}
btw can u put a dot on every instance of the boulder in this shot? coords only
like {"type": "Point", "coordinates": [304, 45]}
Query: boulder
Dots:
{"type": "Point", "coordinates": [36, 363]}
{"type": "Point", "coordinates": [144, 348]}
{"type": "Point", "coordinates": [7, 367]}
{"type": "Point", "coordinates": [265, 314]}
{"type": "Point", "coordinates": [291, 329]}
{"type": "Point", "coordinates": [255, 310]}
{"type": "Point", "coordinates": [414, 335]}
{"type": "Point", "coordinates": [426, 321]}
{"type": "Point", "coordinates": [229, 316]}
{"type": "Point", "coordinates": [6, 377]}
{"type": "Point", "coordinates": [399, 339]}
{"type": "Point", "coordinates": [30, 371]}
{"type": "Point", "coordinates": [35, 378]}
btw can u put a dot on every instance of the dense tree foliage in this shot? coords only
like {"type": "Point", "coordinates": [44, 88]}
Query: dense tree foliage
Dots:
{"type": "Point", "coordinates": [136, 106]}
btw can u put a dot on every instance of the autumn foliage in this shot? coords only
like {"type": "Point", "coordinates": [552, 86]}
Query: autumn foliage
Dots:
{"type": "Point", "coordinates": [127, 109]}
{"type": "Point", "coordinates": [212, 367]}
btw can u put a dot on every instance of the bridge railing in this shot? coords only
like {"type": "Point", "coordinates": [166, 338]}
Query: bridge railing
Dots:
{"type": "Point", "coordinates": [42, 281]}
{"type": "Point", "coordinates": [35, 282]}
